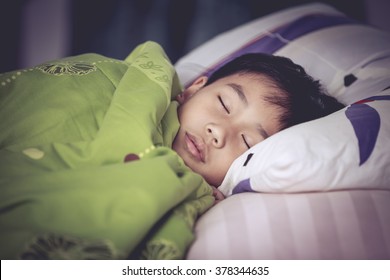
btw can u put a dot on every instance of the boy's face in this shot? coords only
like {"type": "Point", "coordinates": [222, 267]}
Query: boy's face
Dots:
{"type": "Point", "coordinates": [221, 121]}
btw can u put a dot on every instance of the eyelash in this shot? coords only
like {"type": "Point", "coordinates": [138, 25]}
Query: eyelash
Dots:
{"type": "Point", "coordinates": [223, 105]}
{"type": "Point", "coordinates": [246, 143]}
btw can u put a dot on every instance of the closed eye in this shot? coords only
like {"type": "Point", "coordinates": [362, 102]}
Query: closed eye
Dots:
{"type": "Point", "coordinates": [246, 143]}
{"type": "Point", "coordinates": [223, 105]}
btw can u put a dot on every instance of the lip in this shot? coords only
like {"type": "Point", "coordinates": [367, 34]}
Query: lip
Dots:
{"type": "Point", "coordinates": [193, 147]}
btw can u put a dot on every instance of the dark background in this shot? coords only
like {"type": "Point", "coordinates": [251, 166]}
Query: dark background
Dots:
{"type": "Point", "coordinates": [34, 31]}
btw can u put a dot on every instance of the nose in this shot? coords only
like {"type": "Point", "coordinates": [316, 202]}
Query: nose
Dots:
{"type": "Point", "coordinates": [216, 134]}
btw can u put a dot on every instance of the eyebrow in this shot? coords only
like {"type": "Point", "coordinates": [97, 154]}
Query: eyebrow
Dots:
{"type": "Point", "coordinates": [240, 92]}
{"type": "Point", "coordinates": [238, 89]}
{"type": "Point", "coordinates": [262, 131]}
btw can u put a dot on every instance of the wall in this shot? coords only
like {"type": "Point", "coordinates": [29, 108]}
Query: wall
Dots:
{"type": "Point", "coordinates": [40, 30]}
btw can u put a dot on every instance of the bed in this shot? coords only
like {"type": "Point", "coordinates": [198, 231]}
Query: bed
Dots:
{"type": "Point", "coordinates": [319, 190]}
{"type": "Point", "coordinates": [322, 192]}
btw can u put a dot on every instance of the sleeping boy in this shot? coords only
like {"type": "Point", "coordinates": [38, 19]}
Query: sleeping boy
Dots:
{"type": "Point", "coordinates": [241, 104]}
{"type": "Point", "coordinates": [98, 160]}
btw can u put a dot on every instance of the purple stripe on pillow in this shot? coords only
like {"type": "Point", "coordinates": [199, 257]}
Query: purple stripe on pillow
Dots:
{"type": "Point", "coordinates": [279, 37]}
{"type": "Point", "coordinates": [243, 186]}
{"type": "Point", "coordinates": [365, 121]}
{"type": "Point", "coordinates": [373, 98]}
{"type": "Point", "coordinates": [291, 31]}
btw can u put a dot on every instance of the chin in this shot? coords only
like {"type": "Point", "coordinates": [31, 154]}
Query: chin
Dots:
{"type": "Point", "coordinates": [212, 181]}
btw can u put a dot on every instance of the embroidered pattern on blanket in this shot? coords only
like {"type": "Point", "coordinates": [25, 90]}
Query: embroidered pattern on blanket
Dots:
{"type": "Point", "coordinates": [161, 250]}
{"type": "Point", "coordinates": [68, 68]}
{"type": "Point", "coordinates": [52, 246]}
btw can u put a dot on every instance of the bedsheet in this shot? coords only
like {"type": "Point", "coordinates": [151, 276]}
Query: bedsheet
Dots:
{"type": "Point", "coordinates": [86, 171]}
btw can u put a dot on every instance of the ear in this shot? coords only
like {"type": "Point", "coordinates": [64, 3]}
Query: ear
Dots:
{"type": "Point", "coordinates": [192, 89]}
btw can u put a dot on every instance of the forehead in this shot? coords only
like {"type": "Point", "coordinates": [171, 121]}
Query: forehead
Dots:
{"type": "Point", "coordinates": [251, 77]}
{"type": "Point", "coordinates": [252, 83]}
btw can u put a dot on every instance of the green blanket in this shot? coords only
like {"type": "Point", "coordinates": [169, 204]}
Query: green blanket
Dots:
{"type": "Point", "coordinates": [86, 169]}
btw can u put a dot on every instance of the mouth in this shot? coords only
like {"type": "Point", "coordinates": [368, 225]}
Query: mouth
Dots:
{"type": "Point", "coordinates": [194, 148]}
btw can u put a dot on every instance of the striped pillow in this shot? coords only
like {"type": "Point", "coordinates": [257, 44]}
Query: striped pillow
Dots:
{"type": "Point", "coordinates": [332, 225]}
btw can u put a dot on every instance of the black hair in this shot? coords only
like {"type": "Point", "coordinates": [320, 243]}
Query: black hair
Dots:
{"type": "Point", "coordinates": [300, 97]}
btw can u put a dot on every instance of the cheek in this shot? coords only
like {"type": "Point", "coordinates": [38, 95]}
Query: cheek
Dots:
{"type": "Point", "coordinates": [218, 168]}
{"type": "Point", "coordinates": [196, 105]}
{"type": "Point", "coordinates": [186, 112]}
{"type": "Point", "coordinates": [194, 118]}
{"type": "Point", "coordinates": [214, 176]}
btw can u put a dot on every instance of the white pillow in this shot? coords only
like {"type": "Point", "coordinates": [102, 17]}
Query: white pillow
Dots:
{"type": "Point", "coordinates": [339, 58]}
{"type": "Point", "coordinates": [349, 149]}
{"type": "Point", "coordinates": [209, 55]}
{"type": "Point", "coordinates": [315, 35]}
{"type": "Point", "coordinates": [337, 225]}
